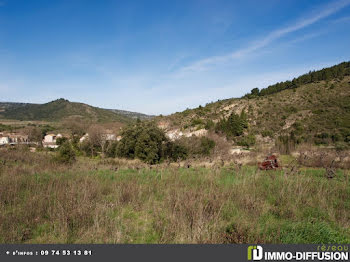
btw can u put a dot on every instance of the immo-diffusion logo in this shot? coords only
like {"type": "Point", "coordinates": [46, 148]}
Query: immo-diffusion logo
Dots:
{"type": "Point", "coordinates": [339, 253]}
{"type": "Point", "coordinates": [255, 252]}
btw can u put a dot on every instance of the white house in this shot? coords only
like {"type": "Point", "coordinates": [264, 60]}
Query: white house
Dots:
{"type": "Point", "coordinates": [50, 140]}
{"type": "Point", "coordinates": [83, 138]}
{"type": "Point", "coordinates": [18, 138]}
{"type": "Point", "coordinates": [13, 138]}
{"type": "Point", "coordinates": [4, 140]}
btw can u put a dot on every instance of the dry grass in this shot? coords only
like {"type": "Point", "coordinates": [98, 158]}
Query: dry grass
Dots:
{"type": "Point", "coordinates": [118, 201]}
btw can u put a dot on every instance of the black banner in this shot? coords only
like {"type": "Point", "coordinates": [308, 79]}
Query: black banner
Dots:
{"type": "Point", "coordinates": [255, 252]}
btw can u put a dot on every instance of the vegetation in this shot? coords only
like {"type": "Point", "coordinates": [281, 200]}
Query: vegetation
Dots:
{"type": "Point", "coordinates": [304, 114]}
{"type": "Point", "coordinates": [196, 146]}
{"type": "Point", "coordinates": [61, 109]}
{"type": "Point", "coordinates": [8, 128]}
{"type": "Point", "coordinates": [131, 191]}
{"type": "Point", "coordinates": [234, 125]}
{"type": "Point", "coordinates": [335, 72]}
{"type": "Point", "coordinates": [66, 153]}
{"type": "Point", "coordinates": [111, 201]}
{"type": "Point", "coordinates": [133, 115]}
{"type": "Point", "coordinates": [247, 141]}
{"type": "Point", "coordinates": [143, 141]}
{"type": "Point", "coordinates": [175, 151]}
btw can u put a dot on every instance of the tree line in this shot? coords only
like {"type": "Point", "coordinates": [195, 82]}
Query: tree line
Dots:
{"type": "Point", "coordinates": [335, 72]}
{"type": "Point", "coordinates": [141, 140]}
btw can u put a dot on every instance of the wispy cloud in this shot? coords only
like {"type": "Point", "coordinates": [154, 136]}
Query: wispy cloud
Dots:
{"type": "Point", "coordinates": [272, 36]}
{"type": "Point", "coordinates": [342, 19]}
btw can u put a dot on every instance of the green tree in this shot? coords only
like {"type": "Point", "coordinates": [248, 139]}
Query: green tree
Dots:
{"type": "Point", "coordinates": [143, 141]}
{"type": "Point", "coordinates": [61, 140]}
{"type": "Point", "coordinates": [206, 145]}
{"type": "Point", "coordinates": [247, 141]}
{"type": "Point", "coordinates": [111, 149]}
{"type": "Point", "coordinates": [66, 153]}
{"type": "Point", "coordinates": [175, 151]}
{"type": "Point", "coordinates": [255, 92]}
{"type": "Point", "coordinates": [234, 125]}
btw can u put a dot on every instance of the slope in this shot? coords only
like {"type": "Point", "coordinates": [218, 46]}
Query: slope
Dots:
{"type": "Point", "coordinates": [59, 109]}
{"type": "Point", "coordinates": [317, 111]}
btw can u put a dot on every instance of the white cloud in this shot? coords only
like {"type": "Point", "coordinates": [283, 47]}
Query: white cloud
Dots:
{"type": "Point", "coordinates": [272, 36]}
{"type": "Point", "coordinates": [342, 19]}
{"type": "Point", "coordinates": [177, 96]}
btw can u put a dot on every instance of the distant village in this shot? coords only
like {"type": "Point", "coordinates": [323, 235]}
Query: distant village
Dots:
{"type": "Point", "coordinates": [13, 139]}
{"type": "Point", "coordinates": [49, 140]}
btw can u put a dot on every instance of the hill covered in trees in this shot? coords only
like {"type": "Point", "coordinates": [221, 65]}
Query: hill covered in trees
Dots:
{"type": "Point", "coordinates": [313, 108]}
{"type": "Point", "coordinates": [58, 110]}
{"type": "Point", "coordinates": [134, 115]}
{"type": "Point", "coordinates": [326, 74]}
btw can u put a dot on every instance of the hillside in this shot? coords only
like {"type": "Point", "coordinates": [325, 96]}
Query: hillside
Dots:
{"type": "Point", "coordinates": [312, 111]}
{"type": "Point", "coordinates": [58, 110]}
{"type": "Point", "coordinates": [133, 115]}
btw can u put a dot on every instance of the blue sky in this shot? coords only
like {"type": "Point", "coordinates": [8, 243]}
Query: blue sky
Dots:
{"type": "Point", "coordinates": [159, 57]}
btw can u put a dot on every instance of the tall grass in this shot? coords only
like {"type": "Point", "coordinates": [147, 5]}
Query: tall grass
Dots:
{"type": "Point", "coordinates": [95, 201]}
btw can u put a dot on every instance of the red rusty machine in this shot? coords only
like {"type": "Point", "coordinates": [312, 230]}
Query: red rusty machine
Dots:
{"type": "Point", "coordinates": [269, 163]}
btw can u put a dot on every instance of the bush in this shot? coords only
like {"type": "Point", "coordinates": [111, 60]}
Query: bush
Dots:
{"type": "Point", "coordinates": [197, 146]}
{"type": "Point", "coordinates": [321, 139]}
{"type": "Point", "coordinates": [143, 141]}
{"type": "Point", "coordinates": [111, 149]}
{"type": "Point", "coordinates": [66, 153]}
{"type": "Point", "coordinates": [340, 146]}
{"type": "Point", "coordinates": [89, 148]}
{"type": "Point", "coordinates": [209, 125]}
{"type": "Point", "coordinates": [61, 140]}
{"type": "Point", "coordinates": [206, 145]}
{"type": "Point", "coordinates": [247, 141]}
{"type": "Point", "coordinates": [175, 151]}
{"type": "Point", "coordinates": [234, 125]}
{"type": "Point", "coordinates": [284, 144]}
{"type": "Point", "coordinates": [197, 121]}
{"type": "Point", "coordinates": [266, 133]}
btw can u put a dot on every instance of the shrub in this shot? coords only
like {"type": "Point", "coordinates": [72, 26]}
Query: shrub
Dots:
{"type": "Point", "coordinates": [197, 121]}
{"type": "Point", "coordinates": [61, 140]}
{"type": "Point", "coordinates": [233, 126]}
{"type": "Point", "coordinates": [209, 124]}
{"type": "Point", "coordinates": [336, 137]}
{"type": "Point", "coordinates": [321, 139]}
{"type": "Point", "coordinates": [66, 153]}
{"type": "Point", "coordinates": [143, 141]}
{"type": "Point", "coordinates": [111, 149]}
{"type": "Point", "coordinates": [89, 148]}
{"type": "Point", "coordinates": [197, 146]}
{"type": "Point", "coordinates": [247, 141]}
{"type": "Point", "coordinates": [266, 133]}
{"type": "Point", "coordinates": [340, 146]}
{"type": "Point", "coordinates": [285, 144]}
{"type": "Point", "coordinates": [206, 145]}
{"type": "Point", "coordinates": [175, 151]}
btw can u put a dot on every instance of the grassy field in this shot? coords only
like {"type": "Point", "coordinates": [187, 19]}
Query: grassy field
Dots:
{"type": "Point", "coordinates": [118, 201]}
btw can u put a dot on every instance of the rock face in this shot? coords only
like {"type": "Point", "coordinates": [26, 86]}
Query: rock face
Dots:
{"type": "Point", "coordinates": [163, 125]}
{"type": "Point", "coordinates": [238, 150]}
{"type": "Point", "coordinates": [177, 134]}
{"type": "Point", "coordinates": [174, 134]}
